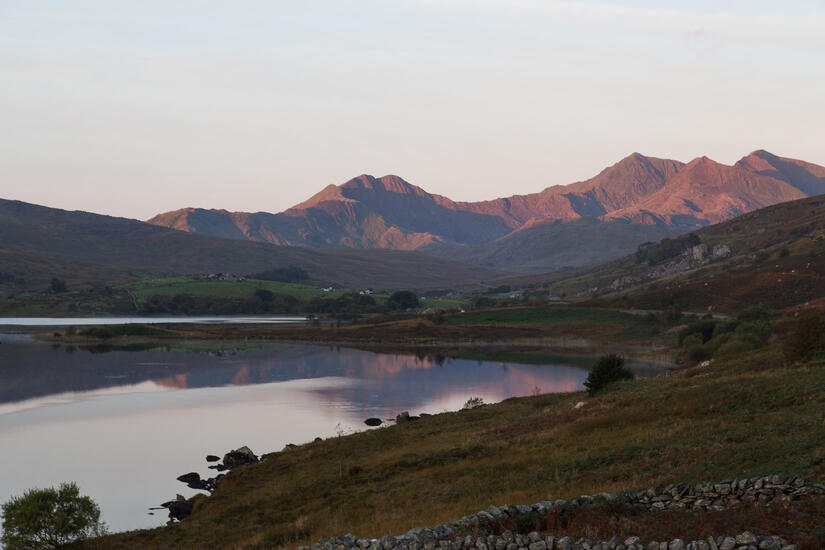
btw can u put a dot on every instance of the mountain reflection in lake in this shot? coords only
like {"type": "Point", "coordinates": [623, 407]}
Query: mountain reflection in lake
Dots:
{"type": "Point", "coordinates": [119, 423]}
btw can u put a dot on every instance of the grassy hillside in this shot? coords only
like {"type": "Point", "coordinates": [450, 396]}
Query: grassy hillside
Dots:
{"type": "Point", "coordinates": [55, 241]}
{"type": "Point", "coordinates": [743, 417]}
{"type": "Point", "coordinates": [225, 289]}
{"type": "Point", "coordinates": [776, 258]}
{"type": "Point", "coordinates": [558, 244]}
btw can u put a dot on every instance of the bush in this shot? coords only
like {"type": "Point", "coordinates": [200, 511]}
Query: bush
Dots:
{"type": "Point", "coordinates": [609, 368]}
{"type": "Point", "coordinates": [58, 286]}
{"type": "Point", "coordinates": [754, 313]}
{"type": "Point", "coordinates": [403, 299]}
{"type": "Point", "coordinates": [473, 403]}
{"type": "Point", "coordinates": [705, 338]}
{"type": "Point", "coordinates": [481, 302]}
{"type": "Point", "coordinates": [50, 518]}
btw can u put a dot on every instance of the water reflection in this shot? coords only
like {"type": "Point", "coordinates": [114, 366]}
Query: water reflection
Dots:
{"type": "Point", "coordinates": [124, 424]}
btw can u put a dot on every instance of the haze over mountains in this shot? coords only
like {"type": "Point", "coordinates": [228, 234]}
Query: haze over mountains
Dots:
{"type": "Point", "coordinates": [637, 199]}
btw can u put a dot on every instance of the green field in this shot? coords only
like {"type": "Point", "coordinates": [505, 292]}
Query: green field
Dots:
{"type": "Point", "coordinates": [441, 303]}
{"type": "Point", "coordinates": [142, 290]}
{"type": "Point", "coordinates": [545, 314]}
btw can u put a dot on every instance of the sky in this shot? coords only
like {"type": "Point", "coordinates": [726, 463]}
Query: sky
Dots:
{"type": "Point", "coordinates": [132, 108]}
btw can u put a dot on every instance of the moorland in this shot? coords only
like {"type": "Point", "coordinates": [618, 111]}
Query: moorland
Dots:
{"type": "Point", "coordinates": [731, 285]}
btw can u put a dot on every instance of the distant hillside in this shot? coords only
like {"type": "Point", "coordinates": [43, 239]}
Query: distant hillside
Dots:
{"type": "Point", "coordinates": [774, 257]}
{"type": "Point", "coordinates": [39, 243]}
{"type": "Point", "coordinates": [558, 244]}
{"type": "Point", "coordinates": [653, 197]}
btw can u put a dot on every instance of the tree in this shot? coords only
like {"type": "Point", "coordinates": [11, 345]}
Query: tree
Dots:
{"type": "Point", "coordinates": [473, 403]}
{"type": "Point", "coordinates": [609, 368]}
{"type": "Point", "coordinates": [266, 296]}
{"type": "Point", "coordinates": [403, 299]}
{"type": "Point", "coordinates": [44, 519]}
{"type": "Point", "coordinates": [58, 285]}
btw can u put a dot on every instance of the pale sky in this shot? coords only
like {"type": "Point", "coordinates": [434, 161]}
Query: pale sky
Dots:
{"type": "Point", "coordinates": [133, 108]}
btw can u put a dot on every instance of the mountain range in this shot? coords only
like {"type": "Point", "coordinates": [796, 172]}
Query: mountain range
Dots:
{"type": "Point", "coordinates": [637, 199]}
{"type": "Point", "coordinates": [387, 233]}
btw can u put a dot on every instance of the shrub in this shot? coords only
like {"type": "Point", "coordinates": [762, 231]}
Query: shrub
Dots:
{"type": "Point", "coordinates": [403, 299]}
{"type": "Point", "coordinates": [473, 403]}
{"type": "Point", "coordinates": [58, 286]}
{"type": "Point", "coordinates": [702, 339]}
{"type": "Point", "coordinates": [609, 368]}
{"type": "Point", "coordinates": [732, 346]}
{"type": "Point", "coordinates": [481, 302]}
{"type": "Point", "coordinates": [703, 327]}
{"type": "Point", "coordinates": [50, 518]}
{"type": "Point", "coordinates": [754, 313]}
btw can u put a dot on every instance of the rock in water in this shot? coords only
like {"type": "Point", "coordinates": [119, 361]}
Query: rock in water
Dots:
{"type": "Point", "coordinates": [239, 457]}
{"type": "Point", "coordinates": [191, 477]}
{"type": "Point", "coordinates": [178, 509]}
{"type": "Point", "coordinates": [212, 458]}
{"type": "Point", "coordinates": [373, 421]}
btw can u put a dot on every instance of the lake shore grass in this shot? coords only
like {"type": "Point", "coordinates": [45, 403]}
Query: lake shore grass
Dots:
{"type": "Point", "coordinates": [558, 325]}
{"type": "Point", "coordinates": [740, 417]}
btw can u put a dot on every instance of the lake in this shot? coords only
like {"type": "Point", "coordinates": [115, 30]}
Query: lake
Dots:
{"type": "Point", "coordinates": [101, 321]}
{"type": "Point", "coordinates": [124, 423]}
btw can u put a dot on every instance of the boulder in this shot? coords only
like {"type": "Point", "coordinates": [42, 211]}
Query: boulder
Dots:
{"type": "Point", "coordinates": [239, 457]}
{"type": "Point", "coordinates": [212, 458]}
{"type": "Point", "coordinates": [746, 538]}
{"type": "Point", "coordinates": [191, 477]}
{"type": "Point", "coordinates": [373, 421]}
{"type": "Point", "coordinates": [179, 509]}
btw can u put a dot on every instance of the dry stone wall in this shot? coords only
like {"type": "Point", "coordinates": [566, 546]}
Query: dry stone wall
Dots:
{"type": "Point", "coordinates": [475, 532]}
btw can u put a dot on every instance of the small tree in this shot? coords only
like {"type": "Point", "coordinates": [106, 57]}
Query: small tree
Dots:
{"type": "Point", "coordinates": [609, 368]}
{"type": "Point", "coordinates": [473, 403]}
{"type": "Point", "coordinates": [45, 519]}
{"type": "Point", "coordinates": [403, 299]}
{"type": "Point", "coordinates": [58, 285]}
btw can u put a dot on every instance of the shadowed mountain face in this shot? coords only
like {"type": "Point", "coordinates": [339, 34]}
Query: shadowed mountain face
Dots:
{"type": "Point", "coordinates": [37, 243]}
{"type": "Point", "coordinates": [773, 257]}
{"type": "Point", "coordinates": [651, 197]}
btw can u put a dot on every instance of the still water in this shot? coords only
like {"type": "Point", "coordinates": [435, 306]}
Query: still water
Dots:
{"type": "Point", "coordinates": [178, 320]}
{"type": "Point", "coordinates": [124, 423]}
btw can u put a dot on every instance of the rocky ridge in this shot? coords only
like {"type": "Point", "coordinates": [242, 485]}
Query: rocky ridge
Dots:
{"type": "Point", "coordinates": [635, 200]}
{"type": "Point", "coordinates": [476, 531]}
{"type": "Point", "coordinates": [691, 258]}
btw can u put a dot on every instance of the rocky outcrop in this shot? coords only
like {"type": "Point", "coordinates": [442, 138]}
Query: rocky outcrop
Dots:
{"type": "Point", "coordinates": [476, 531]}
{"type": "Point", "coordinates": [181, 507]}
{"type": "Point", "coordinates": [691, 258]}
{"type": "Point", "coordinates": [238, 457]}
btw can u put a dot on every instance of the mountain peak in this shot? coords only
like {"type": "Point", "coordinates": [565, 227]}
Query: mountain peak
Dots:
{"type": "Point", "coordinates": [635, 155]}
{"type": "Point", "coordinates": [368, 211]}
